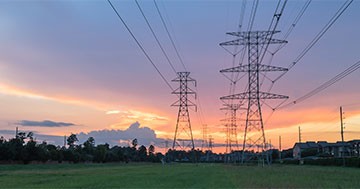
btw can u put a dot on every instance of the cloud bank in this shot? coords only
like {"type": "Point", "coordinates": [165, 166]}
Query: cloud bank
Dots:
{"type": "Point", "coordinates": [144, 135]}
{"type": "Point", "coordinates": [45, 123]}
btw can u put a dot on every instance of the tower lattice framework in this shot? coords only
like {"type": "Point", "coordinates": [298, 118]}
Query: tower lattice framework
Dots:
{"type": "Point", "coordinates": [204, 142]}
{"type": "Point", "coordinates": [231, 127]}
{"type": "Point", "coordinates": [254, 136]}
{"type": "Point", "coordinates": [183, 138]}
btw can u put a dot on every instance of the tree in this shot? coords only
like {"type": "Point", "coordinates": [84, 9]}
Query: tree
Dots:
{"type": "Point", "coordinates": [100, 153]}
{"type": "Point", "coordinates": [71, 140]}
{"type": "Point", "coordinates": [89, 145]}
{"type": "Point", "coordinates": [43, 153]}
{"type": "Point", "coordinates": [54, 152]}
{"type": "Point", "coordinates": [21, 136]}
{"type": "Point", "coordinates": [134, 143]}
{"type": "Point", "coordinates": [152, 156]}
{"type": "Point", "coordinates": [29, 152]}
{"type": "Point", "coordinates": [142, 153]}
{"type": "Point", "coordinates": [30, 135]}
{"type": "Point", "coordinates": [151, 149]}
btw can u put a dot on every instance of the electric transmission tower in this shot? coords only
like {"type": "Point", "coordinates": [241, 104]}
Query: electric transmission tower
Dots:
{"type": "Point", "coordinates": [254, 136]}
{"type": "Point", "coordinates": [204, 144]}
{"type": "Point", "coordinates": [183, 137]}
{"type": "Point", "coordinates": [231, 127]}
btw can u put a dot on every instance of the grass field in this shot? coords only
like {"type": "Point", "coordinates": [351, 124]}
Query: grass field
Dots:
{"type": "Point", "coordinates": [176, 175]}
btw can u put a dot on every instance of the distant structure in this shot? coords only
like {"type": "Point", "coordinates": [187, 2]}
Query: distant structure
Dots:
{"type": "Point", "coordinates": [254, 136]}
{"type": "Point", "coordinates": [204, 143]}
{"type": "Point", "coordinates": [231, 127]}
{"type": "Point", "coordinates": [16, 132]}
{"type": "Point", "coordinates": [183, 138]}
{"type": "Point", "coordinates": [211, 141]}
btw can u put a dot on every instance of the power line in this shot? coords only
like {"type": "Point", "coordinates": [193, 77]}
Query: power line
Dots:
{"type": "Point", "coordinates": [318, 36]}
{"type": "Point", "coordinates": [168, 33]}
{"type": "Point", "coordinates": [139, 45]}
{"type": "Point", "coordinates": [156, 38]}
{"type": "Point", "coordinates": [200, 112]}
{"type": "Point", "coordinates": [252, 14]}
{"type": "Point", "coordinates": [275, 19]}
{"type": "Point", "coordinates": [325, 85]}
{"type": "Point", "coordinates": [292, 26]}
{"type": "Point", "coordinates": [242, 13]}
{"type": "Point", "coordinates": [312, 43]}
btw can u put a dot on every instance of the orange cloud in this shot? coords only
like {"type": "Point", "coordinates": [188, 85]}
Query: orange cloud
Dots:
{"type": "Point", "coordinates": [113, 112]}
{"type": "Point", "coordinates": [14, 91]}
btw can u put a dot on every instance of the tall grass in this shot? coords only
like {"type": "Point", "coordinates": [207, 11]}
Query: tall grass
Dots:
{"type": "Point", "coordinates": [176, 176]}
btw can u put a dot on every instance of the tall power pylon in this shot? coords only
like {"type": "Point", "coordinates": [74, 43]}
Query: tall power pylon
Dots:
{"type": "Point", "coordinates": [231, 127]}
{"type": "Point", "coordinates": [204, 143]}
{"type": "Point", "coordinates": [254, 136]}
{"type": "Point", "coordinates": [183, 137]}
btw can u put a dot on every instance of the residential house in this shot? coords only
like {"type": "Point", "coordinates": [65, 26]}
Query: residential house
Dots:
{"type": "Point", "coordinates": [355, 148]}
{"type": "Point", "coordinates": [337, 149]}
{"type": "Point", "coordinates": [307, 147]}
{"type": "Point", "coordinates": [325, 149]}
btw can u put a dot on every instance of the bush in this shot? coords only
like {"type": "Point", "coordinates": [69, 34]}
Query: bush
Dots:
{"type": "Point", "coordinates": [349, 162]}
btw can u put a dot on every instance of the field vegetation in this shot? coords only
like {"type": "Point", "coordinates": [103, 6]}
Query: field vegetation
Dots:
{"type": "Point", "coordinates": [156, 175]}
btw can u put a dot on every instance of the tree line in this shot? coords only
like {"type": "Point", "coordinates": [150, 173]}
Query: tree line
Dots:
{"type": "Point", "coordinates": [24, 148]}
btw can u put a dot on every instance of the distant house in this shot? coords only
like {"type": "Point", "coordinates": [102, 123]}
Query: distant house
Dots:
{"type": "Point", "coordinates": [355, 148]}
{"type": "Point", "coordinates": [337, 149]}
{"type": "Point", "coordinates": [325, 149]}
{"type": "Point", "coordinates": [307, 147]}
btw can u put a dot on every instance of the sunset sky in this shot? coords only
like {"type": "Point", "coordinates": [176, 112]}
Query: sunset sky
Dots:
{"type": "Point", "coordinates": [72, 67]}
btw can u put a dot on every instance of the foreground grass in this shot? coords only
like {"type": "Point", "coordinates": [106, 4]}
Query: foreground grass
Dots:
{"type": "Point", "coordinates": [176, 175]}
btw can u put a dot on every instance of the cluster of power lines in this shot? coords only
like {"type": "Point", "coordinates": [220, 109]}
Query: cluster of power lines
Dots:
{"type": "Point", "coordinates": [199, 114]}
{"type": "Point", "coordinates": [309, 46]}
{"type": "Point", "coordinates": [235, 77]}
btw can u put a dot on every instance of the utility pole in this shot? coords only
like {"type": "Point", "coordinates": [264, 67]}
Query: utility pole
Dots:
{"type": "Point", "coordinates": [183, 137]}
{"type": "Point", "coordinates": [17, 132]}
{"type": "Point", "coordinates": [166, 143]}
{"type": "Point", "coordinates": [341, 125]}
{"type": "Point", "coordinates": [342, 136]}
{"type": "Point", "coordinates": [280, 148]}
{"type": "Point", "coordinates": [299, 134]}
{"type": "Point", "coordinates": [64, 141]}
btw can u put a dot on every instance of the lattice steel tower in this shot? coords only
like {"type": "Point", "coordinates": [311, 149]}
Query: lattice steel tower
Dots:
{"type": "Point", "coordinates": [204, 142]}
{"type": "Point", "coordinates": [231, 127]}
{"type": "Point", "coordinates": [183, 137]}
{"type": "Point", "coordinates": [254, 136]}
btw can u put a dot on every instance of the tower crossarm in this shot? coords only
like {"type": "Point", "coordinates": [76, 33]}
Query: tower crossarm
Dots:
{"type": "Point", "coordinates": [245, 41]}
{"type": "Point", "coordinates": [251, 68]}
{"type": "Point", "coordinates": [264, 95]}
{"type": "Point", "coordinates": [247, 33]}
{"type": "Point", "coordinates": [182, 92]}
{"type": "Point", "coordinates": [247, 95]}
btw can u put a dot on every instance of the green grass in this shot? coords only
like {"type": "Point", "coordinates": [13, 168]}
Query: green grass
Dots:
{"type": "Point", "coordinates": [176, 175]}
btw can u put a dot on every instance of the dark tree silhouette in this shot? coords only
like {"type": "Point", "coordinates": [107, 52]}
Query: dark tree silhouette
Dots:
{"type": "Point", "coordinates": [71, 140]}
{"type": "Point", "coordinates": [134, 143]}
